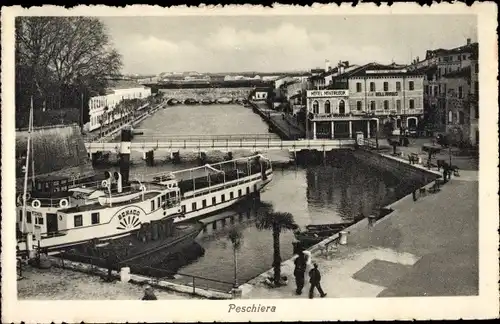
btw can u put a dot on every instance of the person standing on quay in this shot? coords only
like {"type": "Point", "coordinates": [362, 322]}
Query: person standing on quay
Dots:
{"type": "Point", "coordinates": [315, 280]}
{"type": "Point", "coordinates": [299, 272]}
{"type": "Point", "coordinates": [149, 293]}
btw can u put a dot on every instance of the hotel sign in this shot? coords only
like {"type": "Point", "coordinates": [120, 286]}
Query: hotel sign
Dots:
{"type": "Point", "coordinates": [387, 94]}
{"type": "Point", "coordinates": [327, 93]}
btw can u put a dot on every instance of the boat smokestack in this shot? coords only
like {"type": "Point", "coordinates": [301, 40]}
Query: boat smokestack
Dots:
{"type": "Point", "coordinates": [119, 184]}
{"type": "Point", "coordinates": [126, 141]}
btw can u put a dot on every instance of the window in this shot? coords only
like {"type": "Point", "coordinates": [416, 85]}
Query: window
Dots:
{"type": "Point", "coordinates": [28, 217]}
{"type": "Point", "coordinates": [214, 200]}
{"type": "Point", "coordinates": [412, 104]}
{"type": "Point", "coordinates": [426, 89]}
{"type": "Point", "coordinates": [193, 206]}
{"type": "Point", "coordinates": [39, 220]}
{"type": "Point", "coordinates": [386, 86]}
{"type": "Point", "coordinates": [398, 105]}
{"type": "Point", "coordinates": [411, 86]}
{"type": "Point", "coordinates": [342, 107]}
{"type": "Point", "coordinates": [239, 193]}
{"type": "Point", "coordinates": [315, 107]}
{"type": "Point", "coordinates": [372, 86]}
{"type": "Point", "coordinates": [461, 117]}
{"type": "Point", "coordinates": [358, 87]}
{"type": "Point", "coordinates": [358, 105]}
{"type": "Point", "coordinates": [435, 91]}
{"type": "Point", "coordinates": [152, 205]}
{"type": "Point", "coordinates": [327, 107]}
{"type": "Point", "coordinates": [203, 203]}
{"type": "Point", "coordinates": [386, 104]}
{"type": "Point", "coordinates": [95, 218]}
{"type": "Point", "coordinates": [223, 198]}
{"type": "Point", "coordinates": [231, 195]}
{"type": "Point", "coordinates": [248, 190]}
{"type": "Point", "coordinates": [398, 86]}
{"type": "Point", "coordinates": [372, 105]}
{"type": "Point", "coordinates": [460, 92]}
{"type": "Point", "coordinates": [78, 220]}
{"type": "Point", "coordinates": [183, 207]}
{"type": "Point", "coordinates": [450, 117]}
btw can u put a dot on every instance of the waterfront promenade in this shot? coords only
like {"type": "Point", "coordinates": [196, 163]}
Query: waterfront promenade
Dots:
{"type": "Point", "coordinates": [424, 248]}
{"type": "Point", "coordinates": [60, 284]}
{"type": "Point", "coordinates": [281, 121]}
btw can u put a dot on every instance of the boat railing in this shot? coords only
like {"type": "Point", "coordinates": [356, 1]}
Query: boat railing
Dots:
{"type": "Point", "coordinates": [46, 202]}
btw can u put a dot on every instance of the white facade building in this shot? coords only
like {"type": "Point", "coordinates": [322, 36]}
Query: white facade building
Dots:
{"type": "Point", "coordinates": [98, 104]}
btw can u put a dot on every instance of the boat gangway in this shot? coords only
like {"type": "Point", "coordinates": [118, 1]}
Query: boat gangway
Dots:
{"type": "Point", "coordinates": [220, 142]}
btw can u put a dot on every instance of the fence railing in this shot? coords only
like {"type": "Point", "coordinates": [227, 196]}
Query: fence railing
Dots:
{"type": "Point", "coordinates": [100, 265]}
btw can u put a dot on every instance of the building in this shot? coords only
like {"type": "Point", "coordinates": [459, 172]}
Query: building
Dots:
{"type": "Point", "coordinates": [474, 100]}
{"type": "Point", "coordinates": [260, 94]}
{"type": "Point", "coordinates": [437, 64]}
{"type": "Point", "coordinates": [457, 85]}
{"type": "Point", "coordinates": [101, 108]}
{"type": "Point", "coordinates": [363, 98]}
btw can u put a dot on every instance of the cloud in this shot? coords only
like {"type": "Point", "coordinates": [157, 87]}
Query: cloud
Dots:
{"type": "Point", "coordinates": [284, 47]}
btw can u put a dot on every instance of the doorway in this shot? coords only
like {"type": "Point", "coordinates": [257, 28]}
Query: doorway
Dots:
{"type": "Point", "coordinates": [52, 223]}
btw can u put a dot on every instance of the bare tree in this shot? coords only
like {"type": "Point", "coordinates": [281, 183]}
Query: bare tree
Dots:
{"type": "Point", "coordinates": [60, 55]}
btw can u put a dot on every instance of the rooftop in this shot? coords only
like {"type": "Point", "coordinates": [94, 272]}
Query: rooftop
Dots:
{"type": "Point", "coordinates": [473, 47]}
{"type": "Point", "coordinates": [377, 69]}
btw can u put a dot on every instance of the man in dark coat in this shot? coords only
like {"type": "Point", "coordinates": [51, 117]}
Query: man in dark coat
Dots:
{"type": "Point", "coordinates": [299, 272]}
{"type": "Point", "coordinates": [315, 280]}
{"type": "Point", "coordinates": [149, 293]}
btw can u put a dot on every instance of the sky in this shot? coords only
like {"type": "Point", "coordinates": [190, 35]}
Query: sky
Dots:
{"type": "Point", "coordinates": [151, 45]}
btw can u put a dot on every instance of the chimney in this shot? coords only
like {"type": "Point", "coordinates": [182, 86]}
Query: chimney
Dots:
{"type": "Point", "coordinates": [126, 139]}
{"type": "Point", "coordinates": [328, 67]}
{"type": "Point", "coordinates": [468, 41]}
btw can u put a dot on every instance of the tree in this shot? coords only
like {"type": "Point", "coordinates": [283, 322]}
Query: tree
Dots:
{"type": "Point", "coordinates": [60, 58]}
{"type": "Point", "coordinates": [235, 236]}
{"type": "Point", "coordinates": [277, 222]}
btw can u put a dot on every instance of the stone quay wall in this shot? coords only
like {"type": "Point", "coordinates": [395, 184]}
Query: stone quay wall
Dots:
{"type": "Point", "coordinates": [56, 150]}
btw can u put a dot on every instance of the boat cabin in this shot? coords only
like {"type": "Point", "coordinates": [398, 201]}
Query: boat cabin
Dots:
{"type": "Point", "coordinates": [50, 187]}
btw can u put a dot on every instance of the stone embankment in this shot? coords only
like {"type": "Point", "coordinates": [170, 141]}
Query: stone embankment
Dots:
{"type": "Point", "coordinates": [56, 150]}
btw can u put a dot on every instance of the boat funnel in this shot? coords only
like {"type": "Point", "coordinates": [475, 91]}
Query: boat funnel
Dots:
{"type": "Point", "coordinates": [118, 178]}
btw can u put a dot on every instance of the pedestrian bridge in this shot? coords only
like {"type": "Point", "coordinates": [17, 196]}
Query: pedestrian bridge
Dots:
{"type": "Point", "coordinates": [220, 142]}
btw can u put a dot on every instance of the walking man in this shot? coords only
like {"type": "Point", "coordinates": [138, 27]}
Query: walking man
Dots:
{"type": "Point", "coordinates": [299, 272]}
{"type": "Point", "coordinates": [315, 281]}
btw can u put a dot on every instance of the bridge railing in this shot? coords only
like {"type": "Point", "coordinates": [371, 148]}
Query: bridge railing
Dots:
{"type": "Point", "coordinates": [194, 138]}
{"type": "Point", "coordinates": [225, 144]}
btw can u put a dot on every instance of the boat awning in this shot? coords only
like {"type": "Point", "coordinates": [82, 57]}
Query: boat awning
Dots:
{"type": "Point", "coordinates": [96, 194]}
{"type": "Point", "coordinates": [82, 190]}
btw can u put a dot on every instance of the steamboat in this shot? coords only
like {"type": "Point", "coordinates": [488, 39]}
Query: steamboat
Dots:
{"type": "Point", "coordinates": [58, 212]}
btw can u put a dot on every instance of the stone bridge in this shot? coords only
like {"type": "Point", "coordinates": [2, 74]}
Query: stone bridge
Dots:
{"type": "Point", "coordinates": [199, 94]}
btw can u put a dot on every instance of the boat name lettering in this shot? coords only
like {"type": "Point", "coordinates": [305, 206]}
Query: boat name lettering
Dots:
{"type": "Point", "coordinates": [127, 212]}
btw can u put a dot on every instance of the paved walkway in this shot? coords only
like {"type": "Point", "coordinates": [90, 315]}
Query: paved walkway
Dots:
{"type": "Point", "coordinates": [424, 248]}
{"type": "Point", "coordinates": [285, 124]}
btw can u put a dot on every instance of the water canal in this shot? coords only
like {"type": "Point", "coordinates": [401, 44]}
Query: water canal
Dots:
{"type": "Point", "coordinates": [314, 194]}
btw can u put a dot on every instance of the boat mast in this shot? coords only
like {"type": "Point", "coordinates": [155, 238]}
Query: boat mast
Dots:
{"type": "Point", "coordinates": [30, 126]}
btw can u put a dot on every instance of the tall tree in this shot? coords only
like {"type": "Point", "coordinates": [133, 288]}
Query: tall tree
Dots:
{"type": "Point", "coordinates": [60, 58]}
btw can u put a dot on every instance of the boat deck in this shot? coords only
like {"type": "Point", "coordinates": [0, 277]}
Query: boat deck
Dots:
{"type": "Point", "coordinates": [214, 179]}
{"type": "Point", "coordinates": [94, 206]}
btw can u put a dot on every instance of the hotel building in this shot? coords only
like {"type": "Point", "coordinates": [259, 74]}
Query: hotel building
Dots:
{"type": "Point", "coordinates": [363, 99]}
